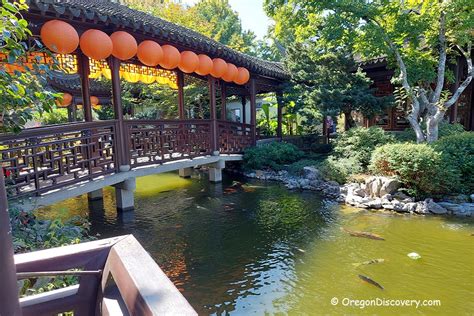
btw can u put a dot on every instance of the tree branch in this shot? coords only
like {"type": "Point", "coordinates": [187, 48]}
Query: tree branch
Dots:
{"type": "Point", "coordinates": [442, 58]}
{"type": "Point", "coordinates": [467, 81]}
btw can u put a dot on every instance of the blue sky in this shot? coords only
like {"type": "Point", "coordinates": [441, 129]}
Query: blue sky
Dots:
{"type": "Point", "coordinates": [251, 13]}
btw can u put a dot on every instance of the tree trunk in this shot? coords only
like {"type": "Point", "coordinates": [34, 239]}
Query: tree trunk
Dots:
{"type": "Point", "coordinates": [420, 137]}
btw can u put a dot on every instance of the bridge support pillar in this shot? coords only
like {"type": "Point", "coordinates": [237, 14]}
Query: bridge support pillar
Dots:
{"type": "Point", "coordinates": [215, 171]}
{"type": "Point", "coordinates": [185, 172]}
{"type": "Point", "coordinates": [124, 195]}
{"type": "Point", "coordinates": [95, 195]}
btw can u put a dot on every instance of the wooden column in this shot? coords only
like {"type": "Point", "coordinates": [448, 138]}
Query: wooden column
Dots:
{"type": "Point", "coordinates": [212, 98]}
{"type": "Point", "coordinates": [122, 150]}
{"type": "Point", "coordinates": [180, 79]}
{"type": "Point", "coordinates": [244, 110]}
{"type": "Point", "coordinates": [9, 290]}
{"type": "Point", "coordinates": [83, 69]}
{"type": "Point", "coordinates": [279, 97]}
{"type": "Point", "coordinates": [223, 101]}
{"type": "Point", "coordinates": [253, 110]}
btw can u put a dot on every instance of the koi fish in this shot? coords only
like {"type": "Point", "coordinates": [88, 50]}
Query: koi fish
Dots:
{"type": "Point", "coordinates": [368, 262]}
{"type": "Point", "coordinates": [363, 234]}
{"type": "Point", "coordinates": [370, 281]}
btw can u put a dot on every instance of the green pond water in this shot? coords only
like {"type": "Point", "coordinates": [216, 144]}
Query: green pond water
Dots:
{"type": "Point", "coordinates": [261, 249]}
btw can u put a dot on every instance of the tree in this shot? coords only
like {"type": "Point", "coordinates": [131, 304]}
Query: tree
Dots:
{"type": "Point", "coordinates": [416, 36]}
{"type": "Point", "coordinates": [22, 81]}
{"type": "Point", "coordinates": [331, 82]}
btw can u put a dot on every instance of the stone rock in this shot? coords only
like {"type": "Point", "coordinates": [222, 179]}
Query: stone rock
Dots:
{"type": "Point", "coordinates": [359, 192]}
{"type": "Point", "coordinates": [434, 207]}
{"type": "Point", "coordinates": [472, 198]}
{"type": "Point", "coordinates": [421, 208]}
{"type": "Point", "coordinates": [259, 173]}
{"type": "Point", "coordinates": [403, 197]}
{"type": "Point", "coordinates": [466, 209]}
{"type": "Point", "coordinates": [311, 173]}
{"type": "Point", "coordinates": [387, 198]}
{"type": "Point", "coordinates": [375, 204]}
{"type": "Point", "coordinates": [458, 199]}
{"type": "Point", "coordinates": [389, 186]}
{"type": "Point", "coordinates": [409, 207]}
{"type": "Point", "coordinates": [373, 186]}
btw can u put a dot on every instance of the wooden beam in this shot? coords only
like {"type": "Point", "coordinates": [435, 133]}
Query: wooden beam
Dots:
{"type": "Point", "coordinates": [253, 110]}
{"type": "Point", "coordinates": [180, 82]}
{"type": "Point", "coordinates": [279, 97]}
{"type": "Point", "coordinates": [223, 101]}
{"type": "Point", "coordinates": [9, 289]}
{"type": "Point", "coordinates": [244, 109]}
{"type": "Point", "coordinates": [83, 70]}
{"type": "Point", "coordinates": [212, 105]}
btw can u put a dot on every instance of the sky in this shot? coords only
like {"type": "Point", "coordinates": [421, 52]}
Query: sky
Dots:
{"type": "Point", "coordinates": [251, 13]}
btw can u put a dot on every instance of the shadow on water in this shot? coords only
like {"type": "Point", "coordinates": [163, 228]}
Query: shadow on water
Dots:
{"type": "Point", "coordinates": [248, 246]}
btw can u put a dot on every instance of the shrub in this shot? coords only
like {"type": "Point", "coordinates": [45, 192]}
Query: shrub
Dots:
{"type": "Point", "coordinates": [56, 116]}
{"type": "Point", "coordinates": [296, 168]}
{"type": "Point", "coordinates": [418, 166]}
{"type": "Point", "coordinates": [445, 129]}
{"type": "Point", "coordinates": [458, 152]}
{"type": "Point", "coordinates": [340, 169]}
{"type": "Point", "coordinates": [359, 143]}
{"type": "Point", "coordinates": [271, 156]}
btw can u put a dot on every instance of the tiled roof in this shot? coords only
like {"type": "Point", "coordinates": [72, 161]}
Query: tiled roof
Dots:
{"type": "Point", "coordinates": [72, 83]}
{"type": "Point", "coordinates": [108, 13]}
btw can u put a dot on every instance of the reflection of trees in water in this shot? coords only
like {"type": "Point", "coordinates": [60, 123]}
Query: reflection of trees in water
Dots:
{"type": "Point", "coordinates": [229, 251]}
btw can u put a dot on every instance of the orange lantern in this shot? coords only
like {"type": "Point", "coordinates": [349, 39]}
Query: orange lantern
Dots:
{"type": "Point", "coordinates": [189, 62]}
{"type": "Point", "coordinates": [219, 67]}
{"type": "Point", "coordinates": [171, 57]}
{"type": "Point", "coordinates": [60, 37]}
{"type": "Point", "coordinates": [231, 73]}
{"type": "Point", "coordinates": [150, 53]}
{"type": "Point", "coordinates": [243, 76]}
{"type": "Point", "coordinates": [96, 106]}
{"type": "Point", "coordinates": [124, 45]}
{"type": "Point", "coordinates": [205, 65]}
{"type": "Point", "coordinates": [64, 101]}
{"type": "Point", "coordinates": [96, 44]}
{"type": "Point", "coordinates": [94, 100]}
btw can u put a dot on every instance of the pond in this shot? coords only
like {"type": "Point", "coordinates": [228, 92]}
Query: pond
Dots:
{"type": "Point", "coordinates": [258, 248]}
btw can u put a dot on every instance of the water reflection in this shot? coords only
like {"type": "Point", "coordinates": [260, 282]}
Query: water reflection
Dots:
{"type": "Point", "coordinates": [259, 248]}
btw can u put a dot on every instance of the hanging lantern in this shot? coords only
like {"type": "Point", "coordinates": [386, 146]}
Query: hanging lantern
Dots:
{"type": "Point", "coordinates": [59, 37]}
{"type": "Point", "coordinates": [242, 77]}
{"type": "Point", "coordinates": [219, 67]}
{"type": "Point", "coordinates": [231, 73]}
{"type": "Point", "coordinates": [64, 101]}
{"type": "Point", "coordinates": [124, 45]}
{"type": "Point", "coordinates": [150, 53]}
{"type": "Point", "coordinates": [96, 106]}
{"type": "Point", "coordinates": [171, 57]}
{"type": "Point", "coordinates": [189, 62]}
{"type": "Point", "coordinates": [205, 65]}
{"type": "Point", "coordinates": [96, 44]}
{"type": "Point", "coordinates": [94, 100]}
{"type": "Point", "coordinates": [79, 106]}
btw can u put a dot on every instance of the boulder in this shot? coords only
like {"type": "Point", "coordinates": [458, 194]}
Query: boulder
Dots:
{"type": "Point", "coordinates": [421, 208]}
{"type": "Point", "coordinates": [375, 204]}
{"type": "Point", "coordinates": [403, 197]}
{"type": "Point", "coordinates": [359, 192]}
{"type": "Point", "coordinates": [379, 186]}
{"type": "Point", "coordinates": [409, 207]}
{"type": "Point", "coordinates": [389, 186]}
{"type": "Point", "coordinates": [472, 198]}
{"type": "Point", "coordinates": [434, 207]}
{"type": "Point", "coordinates": [311, 173]}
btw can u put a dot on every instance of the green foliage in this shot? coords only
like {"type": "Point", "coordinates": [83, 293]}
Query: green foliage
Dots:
{"type": "Point", "coordinates": [340, 169]}
{"type": "Point", "coordinates": [445, 129]}
{"type": "Point", "coordinates": [271, 156]}
{"type": "Point", "coordinates": [56, 116]}
{"type": "Point", "coordinates": [419, 167]}
{"type": "Point", "coordinates": [328, 83]}
{"type": "Point", "coordinates": [457, 151]}
{"type": "Point", "coordinates": [21, 92]}
{"type": "Point", "coordinates": [30, 233]}
{"type": "Point", "coordinates": [105, 112]}
{"type": "Point", "coordinates": [359, 143]}
{"type": "Point", "coordinates": [296, 168]}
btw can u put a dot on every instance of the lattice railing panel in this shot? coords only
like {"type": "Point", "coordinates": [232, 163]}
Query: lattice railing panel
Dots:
{"type": "Point", "coordinates": [43, 159]}
{"type": "Point", "coordinates": [233, 137]}
{"type": "Point", "coordinates": [155, 142]}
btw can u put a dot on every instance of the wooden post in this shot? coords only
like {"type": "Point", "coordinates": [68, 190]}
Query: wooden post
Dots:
{"type": "Point", "coordinates": [253, 110]}
{"type": "Point", "coordinates": [180, 79]}
{"type": "Point", "coordinates": [122, 149]}
{"type": "Point", "coordinates": [223, 102]}
{"type": "Point", "coordinates": [83, 69]}
{"type": "Point", "coordinates": [212, 98]}
{"type": "Point", "coordinates": [279, 97]}
{"type": "Point", "coordinates": [244, 110]}
{"type": "Point", "coordinates": [9, 290]}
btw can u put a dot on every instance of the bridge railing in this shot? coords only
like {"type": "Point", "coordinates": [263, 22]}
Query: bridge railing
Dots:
{"type": "Point", "coordinates": [42, 159]}
{"type": "Point", "coordinates": [233, 137]}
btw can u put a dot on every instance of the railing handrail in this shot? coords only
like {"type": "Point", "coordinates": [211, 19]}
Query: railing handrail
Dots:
{"type": "Point", "coordinates": [45, 130]}
{"type": "Point", "coordinates": [174, 121]}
